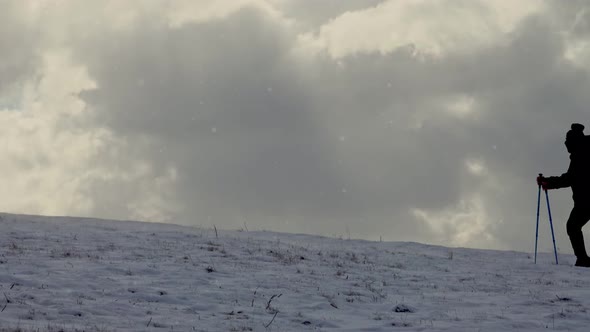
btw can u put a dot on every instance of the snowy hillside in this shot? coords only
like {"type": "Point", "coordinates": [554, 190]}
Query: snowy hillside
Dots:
{"type": "Point", "coordinates": [66, 274]}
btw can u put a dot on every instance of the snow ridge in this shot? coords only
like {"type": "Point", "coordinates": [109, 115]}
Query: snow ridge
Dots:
{"type": "Point", "coordinates": [75, 274]}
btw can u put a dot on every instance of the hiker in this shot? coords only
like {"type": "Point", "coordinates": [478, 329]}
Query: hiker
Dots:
{"type": "Point", "coordinates": [577, 177]}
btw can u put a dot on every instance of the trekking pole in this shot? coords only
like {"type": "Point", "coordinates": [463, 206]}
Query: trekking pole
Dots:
{"type": "Point", "coordinates": [551, 223]}
{"type": "Point", "coordinates": [537, 231]}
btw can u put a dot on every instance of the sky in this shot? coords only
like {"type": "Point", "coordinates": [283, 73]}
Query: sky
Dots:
{"type": "Point", "coordinates": [413, 120]}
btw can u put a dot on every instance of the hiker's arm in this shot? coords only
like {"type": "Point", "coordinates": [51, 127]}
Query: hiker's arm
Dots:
{"type": "Point", "coordinates": [557, 182]}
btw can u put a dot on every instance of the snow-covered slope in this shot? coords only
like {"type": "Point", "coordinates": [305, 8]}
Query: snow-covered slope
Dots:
{"type": "Point", "coordinates": [67, 274]}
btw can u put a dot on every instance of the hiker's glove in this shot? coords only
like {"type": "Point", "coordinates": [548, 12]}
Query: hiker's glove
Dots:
{"type": "Point", "coordinates": [541, 181]}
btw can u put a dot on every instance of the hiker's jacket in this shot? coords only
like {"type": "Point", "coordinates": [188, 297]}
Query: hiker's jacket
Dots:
{"type": "Point", "coordinates": [577, 177]}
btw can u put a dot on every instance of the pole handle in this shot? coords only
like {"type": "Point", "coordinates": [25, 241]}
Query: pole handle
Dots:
{"type": "Point", "coordinates": [541, 176]}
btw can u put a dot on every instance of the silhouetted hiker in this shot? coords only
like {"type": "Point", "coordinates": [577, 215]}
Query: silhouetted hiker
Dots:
{"type": "Point", "coordinates": [577, 177]}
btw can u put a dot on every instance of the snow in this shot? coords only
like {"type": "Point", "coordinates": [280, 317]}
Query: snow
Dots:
{"type": "Point", "coordinates": [73, 274]}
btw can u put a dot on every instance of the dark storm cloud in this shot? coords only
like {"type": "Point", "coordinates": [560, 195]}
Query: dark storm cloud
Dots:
{"type": "Point", "coordinates": [257, 136]}
{"type": "Point", "coordinates": [223, 102]}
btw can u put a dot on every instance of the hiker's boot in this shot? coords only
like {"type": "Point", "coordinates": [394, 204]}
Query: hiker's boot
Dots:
{"type": "Point", "coordinates": [583, 261]}
{"type": "Point", "coordinates": [577, 240]}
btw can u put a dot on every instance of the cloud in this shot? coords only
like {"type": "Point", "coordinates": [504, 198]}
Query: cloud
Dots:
{"type": "Point", "coordinates": [37, 155]}
{"type": "Point", "coordinates": [310, 17]}
{"type": "Point", "coordinates": [431, 27]}
{"type": "Point", "coordinates": [463, 225]}
{"type": "Point", "coordinates": [424, 121]}
{"type": "Point", "coordinates": [187, 11]}
{"type": "Point", "coordinates": [17, 42]}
